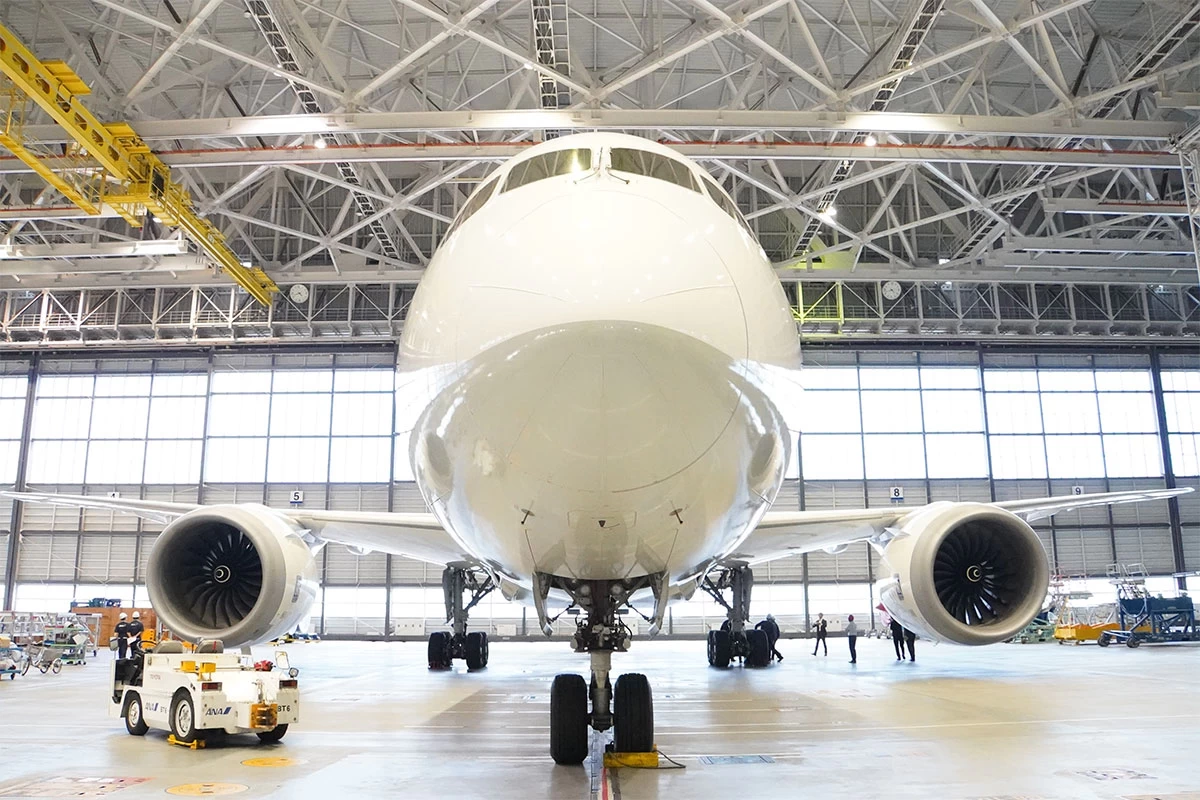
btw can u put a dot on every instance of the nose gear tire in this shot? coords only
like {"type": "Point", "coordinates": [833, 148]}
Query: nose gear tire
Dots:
{"type": "Point", "coordinates": [568, 719]}
{"type": "Point", "coordinates": [633, 714]}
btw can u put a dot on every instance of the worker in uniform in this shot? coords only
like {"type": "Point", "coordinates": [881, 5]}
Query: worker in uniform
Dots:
{"type": "Point", "coordinates": [910, 639]}
{"type": "Point", "coordinates": [898, 639]}
{"type": "Point", "coordinates": [136, 628]}
{"type": "Point", "coordinates": [771, 628]}
{"type": "Point", "coordinates": [852, 637]}
{"type": "Point", "coordinates": [821, 626]}
{"type": "Point", "coordinates": [121, 631]}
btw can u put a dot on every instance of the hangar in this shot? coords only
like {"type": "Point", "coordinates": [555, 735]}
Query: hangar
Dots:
{"type": "Point", "coordinates": [975, 222]}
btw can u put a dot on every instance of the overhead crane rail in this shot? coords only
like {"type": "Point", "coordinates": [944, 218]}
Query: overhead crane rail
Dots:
{"type": "Point", "coordinates": [110, 164]}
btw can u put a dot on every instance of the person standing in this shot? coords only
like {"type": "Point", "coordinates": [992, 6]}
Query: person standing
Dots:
{"type": "Point", "coordinates": [771, 628]}
{"type": "Point", "coordinates": [136, 629]}
{"type": "Point", "coordinates": [910, 639]}
{"type": "Point", "coordinates": [852, 637]}
{"type": "Point", "coordinates": [898, 639]}
{"type": "Point", "coordinates": [121, 631]}
{"type": "Point", "coordinates": [821, 626]}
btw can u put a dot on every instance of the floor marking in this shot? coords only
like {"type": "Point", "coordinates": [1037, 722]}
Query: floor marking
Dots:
{"type": "Point", "coordinates": [715, 760]}
{"type": "Point", "coordinates": [61, 786]}
{"type": "Point", "coordinates": [206, 789]}
{"type": "Point", "coordinates": [838, 728]}
{"type": "Point", "coordinates": [273, 761]}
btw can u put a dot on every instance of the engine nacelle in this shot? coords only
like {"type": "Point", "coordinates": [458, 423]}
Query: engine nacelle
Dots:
{"type": "Point", "coordinates": [966, 573]}
{"type": "Point", "coordinates": [239, 573]}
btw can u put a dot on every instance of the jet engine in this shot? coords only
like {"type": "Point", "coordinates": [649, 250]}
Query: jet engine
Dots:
{"type": "Point", "coordinates": [238, 573]}
{"type": "Point", "coordinates": [966, 573]}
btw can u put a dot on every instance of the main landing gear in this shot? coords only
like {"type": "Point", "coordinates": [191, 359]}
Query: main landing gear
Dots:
{"type": "Point", "coordinates": [734, 639]}
{"type": "Point", "coordinates": [445, 646]}
{"type": "Point", "coordinates": [626, 707]}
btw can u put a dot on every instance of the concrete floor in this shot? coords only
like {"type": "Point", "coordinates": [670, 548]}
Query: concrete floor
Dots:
{"type": "Point", "coordinates": [1011, 721]}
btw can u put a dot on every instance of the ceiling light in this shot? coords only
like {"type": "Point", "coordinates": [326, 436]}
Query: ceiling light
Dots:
{"type": "Point", "coordinates": [947, 286]}
{"type": "Point", "coordinates": [247, 264]}
{"type": "Point", "coordinates": [870, 141]}
{"type": "Point", "coordinates": [829, 213]}
{"type": "Point", "coordinates": [528, 65]}
{"type": "Point", "coordinates": [319, 143]}
{"type": "Point", "coordinates": [943, 260]}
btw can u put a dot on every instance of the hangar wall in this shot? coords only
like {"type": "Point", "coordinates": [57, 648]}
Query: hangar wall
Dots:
{"type": "Point", "coordinates": [940, 423]}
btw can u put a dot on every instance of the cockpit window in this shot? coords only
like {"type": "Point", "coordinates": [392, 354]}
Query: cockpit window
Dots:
{"type": "Point", "coordinates": [549, 165]}
{"type": "Point", "coordinates": [727, 205]}
{"type": "Point", "coordinates": [653, 165]}
{"type": "Point", "coordinates": [475, 203]}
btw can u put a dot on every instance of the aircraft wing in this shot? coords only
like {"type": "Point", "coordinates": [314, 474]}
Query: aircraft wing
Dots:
{"type": "Point", "coordinates": [146, 509]}
{"type": "Point", "coordinates": [414, 534]}
{"type": "Point", "coordinates": [787, 533]}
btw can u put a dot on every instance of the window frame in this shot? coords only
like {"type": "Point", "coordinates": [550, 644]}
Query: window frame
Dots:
{"type": "Point", "coordinates": [508, 176]}
{"type": "Point", "coordinates": [693, 182]}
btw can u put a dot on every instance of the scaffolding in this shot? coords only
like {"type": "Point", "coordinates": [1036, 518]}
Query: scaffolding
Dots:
{"type": "Point", "coordinates": [1145, 618]}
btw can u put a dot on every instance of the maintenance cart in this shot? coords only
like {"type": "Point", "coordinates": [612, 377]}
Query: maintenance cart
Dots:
{"type": "Point", "coordinates": [13, 660]}
{"type": "Point", "coordinates": [194, 694]}
{"type": "Point", "coordinates": [1147, 619]}
{"type": "Point", "coordinates": [46, 657]}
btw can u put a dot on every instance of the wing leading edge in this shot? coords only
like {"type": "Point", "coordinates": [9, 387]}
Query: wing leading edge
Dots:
{"type": "Point", "coordinates": [787, 533]}
{"type": "Point", "coordinates": [414, 534]}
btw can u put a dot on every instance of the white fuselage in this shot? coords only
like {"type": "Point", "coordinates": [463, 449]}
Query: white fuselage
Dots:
{"type": "Point", "coordinates": [588, 351]}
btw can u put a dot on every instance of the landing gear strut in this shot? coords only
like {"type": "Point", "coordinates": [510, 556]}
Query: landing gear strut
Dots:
{"type": "Point", "coordinates": [628, 707]}
{"type": "Point", "coordinates": [734, 639]}
{"type": "Point", "coordinates": [445, 646]}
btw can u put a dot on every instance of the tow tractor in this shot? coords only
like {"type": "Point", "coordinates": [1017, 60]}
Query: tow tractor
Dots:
{"type": "Point", "coordinates": [194, 694]}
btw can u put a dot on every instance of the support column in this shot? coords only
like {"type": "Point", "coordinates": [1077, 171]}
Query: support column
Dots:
{"type": "Point", "coordinates": [14, 537]}
{"type": "Point", "coordinates": [1164, 443]}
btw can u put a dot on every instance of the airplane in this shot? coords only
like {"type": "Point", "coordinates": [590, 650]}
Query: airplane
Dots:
{"type": "Point", "coordinates": [600, 351]}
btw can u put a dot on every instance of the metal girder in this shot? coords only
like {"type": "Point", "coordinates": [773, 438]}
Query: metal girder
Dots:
{"type": "Point", "coordinates": [181, 39]}
{"type": "Point", "coordinates": [143, 183]}
{"type": "Point", "coordinates": [618, 119]}
{"type": "Point", "coordinates": [23, 213]}
{"type": "Point", "coordinates": [1081, 205]}
{"type": "Point", "coordinates": [58, 267]}
{"type": "Point", "coordinates": [987, 230]}
{"type": "Point", "coordinates": [1189, 101]}
{"type": "Point", "coordinates": [1108, 244]}
{"type": "Point", "coordinates": [710, 151]}
{"type": "Point", "coordinates": [1009, 257]}
{"type": "Point", "coordinates": [141, 247]}
{"type": "Point", "coordinates": [277, 39]}
{"type": "Point", "coordinates": [911, 35]}
{"type": "Point", "coordinates": [825, 307]}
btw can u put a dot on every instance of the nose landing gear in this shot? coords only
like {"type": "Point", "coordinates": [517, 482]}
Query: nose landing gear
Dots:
{"type": "Point", "coordinates": [626, 708]}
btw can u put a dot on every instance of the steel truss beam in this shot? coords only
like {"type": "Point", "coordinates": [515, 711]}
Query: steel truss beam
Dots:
{"type": "Point", "coordinates": [714, 151]}
{"type": "Point", "coordinates": [910, 37]}
{"type": "Point", "coordinates": [1147, 62]}
{"type": "Point", "coordinates": [475, 121]}
{"type": "Point", "coordinates": [838, 308]}
{"type": "Point", "coordinates": [277, 39]}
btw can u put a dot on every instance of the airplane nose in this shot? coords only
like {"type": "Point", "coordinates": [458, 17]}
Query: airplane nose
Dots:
{"type": "Point", "coordinates": [597, 407]}
{"type": "Point", "coordinates": [598, 253]}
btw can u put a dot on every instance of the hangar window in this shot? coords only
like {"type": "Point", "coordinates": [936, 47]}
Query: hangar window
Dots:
{"type": "Point", "coordinates": [653, 165]}
{"type": "Point", "coordinates": [475, 203]}
{"type": "Point", "coordinates": [549, 165]}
